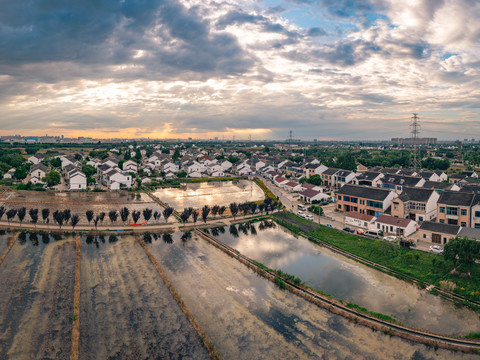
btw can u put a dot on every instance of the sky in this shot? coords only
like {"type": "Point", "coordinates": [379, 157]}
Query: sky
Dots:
{"type": "Point", "coordinates": [325, 69]}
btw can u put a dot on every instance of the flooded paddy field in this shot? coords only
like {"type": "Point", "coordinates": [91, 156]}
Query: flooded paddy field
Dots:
{"type": "Point", "coordinates": [36, 298]}
{"type": "Point", "coordinates": [80, 202]}
{"type": "Point", "coordinates": [212, 193]}
{"type": "Point", "coordinates": [346, 279]}
{"type": "Point", "coordinates": [248, 317]}
{"type": "Point", "coordinates": [126, 310]}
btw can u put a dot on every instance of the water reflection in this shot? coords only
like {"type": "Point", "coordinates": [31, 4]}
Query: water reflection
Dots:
{"type": "Point", "coordinates": [186, 236]}
{"type": "Point", "coordinates": [347, 279]}
{"type": "Point", "coordinates": [167, 238]}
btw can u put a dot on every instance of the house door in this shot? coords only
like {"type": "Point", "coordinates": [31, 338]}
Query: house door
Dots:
{"type": "Point", "coordinates": [436, 238]}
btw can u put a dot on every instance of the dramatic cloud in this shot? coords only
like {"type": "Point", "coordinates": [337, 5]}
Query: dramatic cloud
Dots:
{"type": "Point", "coordinates": [177, 68]}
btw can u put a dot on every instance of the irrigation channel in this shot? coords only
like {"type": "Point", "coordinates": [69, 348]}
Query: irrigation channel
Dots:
{"type": "Point", "coordinates": [126, 310]}
{"type": "Point", "coordinates": [278, 248]}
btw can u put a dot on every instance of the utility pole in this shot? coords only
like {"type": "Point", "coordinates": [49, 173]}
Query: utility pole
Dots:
{"type": "Point", "coordinates": [415, 130]}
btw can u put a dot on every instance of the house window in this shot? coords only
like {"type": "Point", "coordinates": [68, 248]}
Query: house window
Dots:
{"type": "Point", "coordinates": [477, 226]}
{"type": "Point", "coordinates": [463, 212]}
{"type": "Point", "coordinates": [374, 204]}
{"type": "Point", "coordinates": [442, 221]}
{"type": "Point", "coordinates": [80, 186]}
{"type": "Point", "coordinates": [391, 228]}
{"type": "Point", "coordinates": [339, 197]}
{"type": "Point", "coordinates": [452, 210]}
{"type": "Point", "coordinates": [442, 209]}
{"type": "Point", "coordinates": [477, 213]}
{"type": "Point", "coordinates": [463, 224]}
{"type": "Point", "coordinates": [424, 236]}
{"type": "Point", "coordinates": [378, 226]}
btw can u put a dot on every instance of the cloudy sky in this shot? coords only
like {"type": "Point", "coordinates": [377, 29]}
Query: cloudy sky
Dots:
{"type": "Point", "coordinates": [325, 69]}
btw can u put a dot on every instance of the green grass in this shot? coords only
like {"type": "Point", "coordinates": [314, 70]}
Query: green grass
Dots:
{"type": "Point", "coordinates": [473, 335]}
{"type": "Point", "coordinates": [421, 265]}
{"type": "Point", "coordinates": [265, 189]}
{"type": "Point", "coordinates": [377, 315]}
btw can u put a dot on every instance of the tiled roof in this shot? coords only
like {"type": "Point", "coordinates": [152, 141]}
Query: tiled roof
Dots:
{"type": "Point", "coordinates": [392, 220]}
{"type": "Point", "coordinates": [365, 192]}
{"type": "Point", "coordinates": [440, 228]}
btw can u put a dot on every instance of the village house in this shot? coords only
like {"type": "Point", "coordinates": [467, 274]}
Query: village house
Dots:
{"type": "Point", "coordinates": [394, 225]}
{"type": "Point", "coordinates": [38, 172]}
{"type": "Point", "coordinates": [416, 204]}
{"type": "Point", "coordinates": [398, 182]}
{"type": "Point", "coordinates": [438, 233]}
{"type": "Point", "coordinates": [310, 195]}
{"type": "Point", "coordinates": [368, 178]}
{"type": "Point", "coordinates": [130, 165]}
{"type": "Point", "coordinates": [364, 199]}
{"type": "Point", "coordinates": [363, 221]}
{"type": "Point", "coordinates": [327, 177]}
{"type": "Point", "coordinates": [454, 208]}
{"type": "Point", "coordinates": [342, 177]}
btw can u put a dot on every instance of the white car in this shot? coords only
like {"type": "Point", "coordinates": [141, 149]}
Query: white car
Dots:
{"type": "Point", "coordinates": [435, 249]}
{"type": "Point", "coordinates": [309, 217]}
{"type": "Point", "coordinates": [390, 238]}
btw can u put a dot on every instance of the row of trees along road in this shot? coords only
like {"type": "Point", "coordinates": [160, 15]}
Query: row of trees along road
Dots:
{"type": "Point", "coordinates": [63, 217]}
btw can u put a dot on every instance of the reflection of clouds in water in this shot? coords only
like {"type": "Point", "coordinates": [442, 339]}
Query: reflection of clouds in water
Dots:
{"type": "Point", "coordinates": [216, 193]}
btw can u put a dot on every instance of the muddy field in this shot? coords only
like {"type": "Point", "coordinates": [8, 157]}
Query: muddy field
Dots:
{"type": "Point", "coordinates": [5, 239]}
{"type": "Point", "coordinates": [126, 311]}
{"type": "Point", "coordinates": [220, 193]}
{"type": "Point", "coordinates": [248, 317]}
{"type": "Point", "coordinates": [80, 202]}
{"type": "Point", "coordinates": [36, 298]}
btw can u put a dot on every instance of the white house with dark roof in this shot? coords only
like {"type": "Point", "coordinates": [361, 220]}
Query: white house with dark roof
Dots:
{"type": "Point", "coordinates": [77, 181]}
{"type": "Point", "coordinates": [394, 225]}
{"type": "Point", "coordinates": [363, 221]}
{"type": "Point", "coordinates": [312, 195]}
{"type": "Point", "coordinates": [417, 204]}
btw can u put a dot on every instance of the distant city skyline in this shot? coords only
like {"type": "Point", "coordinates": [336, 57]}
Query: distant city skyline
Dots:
{"type": "Point", "coordinates": [327, 70]}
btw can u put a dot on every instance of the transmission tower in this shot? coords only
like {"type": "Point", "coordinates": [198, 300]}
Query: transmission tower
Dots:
{"type": "Point", "coordinates": [415, 130]}
{"type": "Point", "coordinates": [290, 137]}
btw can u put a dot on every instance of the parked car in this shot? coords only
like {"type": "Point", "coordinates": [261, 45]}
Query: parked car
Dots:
{"type": "Point", "coordinates": [374, 232]}
{"type": "Point", "coordinates": [390, 238]}
{"type": "Point", "coordinates": [360, 232]}
{"type": "Point", "coordinates": [309, 217]}
{"type": "Point", "coordinates": [300, 213]}
{"type": "Point", "coordinates": [347, 229]}
{"type": "Point", "coordinates": [435, 249]}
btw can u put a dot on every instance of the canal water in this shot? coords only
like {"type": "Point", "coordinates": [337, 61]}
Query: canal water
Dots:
{"type": "Point", "coordinates": [248, 317]}
{"type": "Point", "coordinates": [346, 279]}
{"type": "Point", "coordinates": [212, 193]}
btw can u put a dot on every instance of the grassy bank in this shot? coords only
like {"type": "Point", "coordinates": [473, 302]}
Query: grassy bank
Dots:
{"type": "Point", "coordinates": [430, 268]}
{"type": "Point", "coordinates": [265, 189]}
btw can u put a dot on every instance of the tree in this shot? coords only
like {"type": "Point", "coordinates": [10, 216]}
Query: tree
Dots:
{"type": "Point", "coordinates": [89, 215]}
{"type": "Point", "coordinates": [176, 155]}
{"type": "Point", "coordinates": [195, 216]}
{"type": "Point", "coordinates": [315, 180]}
{"type": "Point", "coordinates": [253, 207]}
{"type": "Point", "coordinates": [66, 215]}
{"type": "Point", "coordinates": [89, 170]}
{"type": "Point", "coordinates": [222, 210]}
{"type": "Point", "coordinates": [245, 208]}
{"type": "Point", "coordinates": [462, 252]}
{"type": "Point", "coordinates": [167, 212]}
{"type": "Point", "coordinates": [33, 213]}
{"type": "Point", "coordinates": [20, 173]}
{"type": "Point", "coordinates": [215, 209]}
{"type": "Point", "coordinates": [147, 214]}
{"type": "Point", "coordinates": [185, 215]}
{"type": "Point", "coordinates": [45, 214]}
{"type": "Point", "coordinates": [234, 209]}
{"type": "Point", "coordinates": [58, 217]}
{"type": "Point", "coordinates": [205, 212]}
{"type": "Point", "coordinates": [346, 161]}
{"type": "Point", "coordinates": [261, 207]}
{"type": "Point", "coordinates": [124, 213]}
{"type": "Point", "coordinates": [11, 214]}
{"type": "Point", "coordinates": [182, 174]}
{"type": "Point", "coordinates": [95, 221]}
{"type": "Point", "coordinates": [56, 162]}
{"type": "Point", "coordinates": [156, 215]}
{"type": "Point", "coordinates": [2, 211]}
{"type": "Point", "coordinates": [52, 178]}
{"type": "Point", "coordinates": [21, 214]}
{"type": "Point", "coordinates": [101, 216]}
{"type": "Point", "coordinates": [113, 215]}
{"type": "Point", "coordinates": [74, 220]}
{"type": "Point", "coordinates": [135, 216]}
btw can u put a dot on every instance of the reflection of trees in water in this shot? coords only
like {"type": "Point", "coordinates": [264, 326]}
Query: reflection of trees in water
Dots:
{"type": "Point", "coordinates": [215, 231]}
{"type": "Point", "coordinates": [206, 231]}
{"type": "Point", "coordinates": [22, 238]}
{"type": "Point", "coordinates": [221, 229]}
{"type": "Point", "coordinates": [34, 239]}
{"type": "Point", "coordinates": [112, 238]}
{"type": "Point", "coordinates": [186, 236]}
{"type": "Point", "coordinates": [147, 238]}
{"type": "Point", "coordinates": [45, 238]}
{"type": "Point", "coordinates": [102, 238]}
{"type": "Point", "coordinates": [233, 231]}
{"type": "Point", "coordinates": [253, 231]}
{"type": "Point", "coordinates": [167, 238]}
